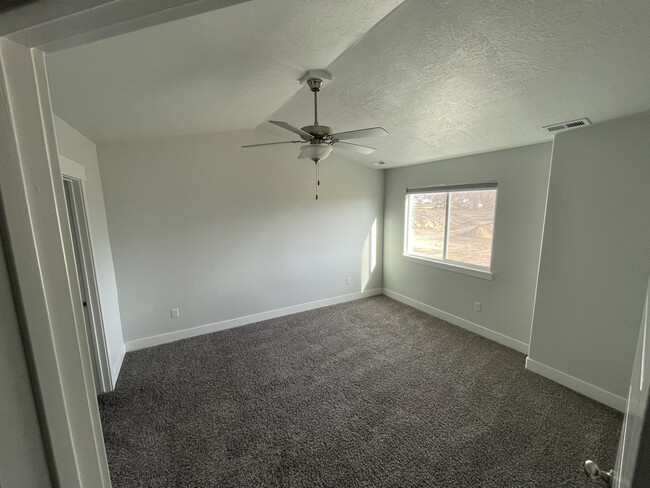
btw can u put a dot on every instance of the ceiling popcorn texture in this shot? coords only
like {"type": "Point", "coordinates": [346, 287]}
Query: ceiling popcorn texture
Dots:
{"type": "Point", "coordinates": [221, 71]}
{"type": "Point", "coordinates": [445, 78]}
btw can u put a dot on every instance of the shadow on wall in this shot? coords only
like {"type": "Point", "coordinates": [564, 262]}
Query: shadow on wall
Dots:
{"type": "Point", "coordinates": [369, 256]}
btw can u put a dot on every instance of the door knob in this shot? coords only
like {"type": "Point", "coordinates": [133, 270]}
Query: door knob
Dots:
{"type": "Point", "coordinates": [593, 472]}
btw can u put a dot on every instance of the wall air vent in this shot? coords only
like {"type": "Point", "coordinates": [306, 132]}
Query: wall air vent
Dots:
{"type": "Point", "coordinates": [571, 124]}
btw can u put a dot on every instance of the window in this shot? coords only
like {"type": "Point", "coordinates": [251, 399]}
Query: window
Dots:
{"type": "Point", "coordinates": [451, 224]}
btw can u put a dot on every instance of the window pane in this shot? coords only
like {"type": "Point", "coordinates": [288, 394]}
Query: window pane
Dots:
{"type": "Point", "coordinates": [471, 224]}
{"type": "Point", "coordinates": [426, 231]}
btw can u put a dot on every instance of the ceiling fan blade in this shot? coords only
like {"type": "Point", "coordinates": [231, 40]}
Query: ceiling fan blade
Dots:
{"type": "Point", "coordinates": [305, 135]}
{"type": "Point", "coordinates": [354, 147]}
{"type": "Point", "coordinates": [273, 143]}
{"type": "Point", "coordinates": [358, 134]}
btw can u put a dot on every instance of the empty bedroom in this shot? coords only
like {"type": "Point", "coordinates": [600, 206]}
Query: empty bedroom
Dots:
{"type": "Point", "coordinates": [284, 243]}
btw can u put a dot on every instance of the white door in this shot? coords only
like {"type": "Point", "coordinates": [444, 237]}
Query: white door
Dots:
{"type": "Point", "coordinates": [632, 468]}
{"type": "Point", "coordinates": [87, 283]}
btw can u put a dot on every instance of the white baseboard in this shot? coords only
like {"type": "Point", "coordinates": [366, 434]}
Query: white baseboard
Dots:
{"type": "Point", "coordinates": [587, 389]}
{"type": "Point", "coordinates": [465, 324]}
{"type": "Point", "coordinates": [575, 384]}
{"type": "Point", "coordinates": [248, 319]}
{"type": "Point", "coordinates": [116, 366]}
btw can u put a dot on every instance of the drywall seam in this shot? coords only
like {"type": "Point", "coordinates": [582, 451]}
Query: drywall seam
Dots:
{"type": "Point", "coordinates": [587, 389]}
{"type": "Point", "coordinates": [247, 319]}
{"type": "Point", "coordinates": [460, 322]}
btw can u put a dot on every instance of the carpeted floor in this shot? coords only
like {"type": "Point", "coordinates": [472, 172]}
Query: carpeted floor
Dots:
{"type": "Point", "coordinates": [369, 393]}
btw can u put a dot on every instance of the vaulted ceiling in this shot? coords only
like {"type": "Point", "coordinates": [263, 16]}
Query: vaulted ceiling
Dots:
{"type": "Point", "coordinates": [445, 78]}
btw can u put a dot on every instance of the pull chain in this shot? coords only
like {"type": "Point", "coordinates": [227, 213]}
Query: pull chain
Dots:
{"type": "Point", "coordinates": [317, 179]}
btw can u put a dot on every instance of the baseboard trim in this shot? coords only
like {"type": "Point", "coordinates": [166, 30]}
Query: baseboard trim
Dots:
{"type": "Point", "coordinates": [116, 366]}
{"type": "Point", "coordinates": [248, 319]}
{"type": "Point", "coordinates": [605, 397]}
{"type": "Point", "coordinates": [460, 322]}
{"type": "Point", "coordinates": [587, 389]}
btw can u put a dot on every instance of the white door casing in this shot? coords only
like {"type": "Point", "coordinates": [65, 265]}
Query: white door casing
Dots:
{"type": "Point", "coordinates": [85, 264]}
{"type": "Point", "coordinates": [40, 251]}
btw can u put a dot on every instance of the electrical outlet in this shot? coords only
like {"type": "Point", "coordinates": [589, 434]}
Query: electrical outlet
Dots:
{"type": "Point", "coordinates": [348, 281]}
{"type": "Point", "coordinates": [477, 306]}
{"type": "Point", "coordinates": [175, 313]}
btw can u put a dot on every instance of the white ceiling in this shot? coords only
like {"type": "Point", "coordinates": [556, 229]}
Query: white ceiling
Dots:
{"type": "Point", "coordinates": [445, 78]}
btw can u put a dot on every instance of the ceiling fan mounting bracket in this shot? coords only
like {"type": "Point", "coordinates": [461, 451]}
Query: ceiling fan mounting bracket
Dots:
{"type": "Point", "coordinates": [321, 74]}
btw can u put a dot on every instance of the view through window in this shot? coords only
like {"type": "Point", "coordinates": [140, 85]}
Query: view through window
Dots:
{"type": "Point", "coordinates": [455, 225]}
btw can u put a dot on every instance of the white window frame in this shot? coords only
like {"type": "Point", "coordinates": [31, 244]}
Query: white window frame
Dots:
{"type": "Point", "coordinates": [484, 272]}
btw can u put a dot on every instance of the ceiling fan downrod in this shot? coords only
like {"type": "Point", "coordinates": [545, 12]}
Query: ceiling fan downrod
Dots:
{"type": "Point", "coordinates": [315, 85]}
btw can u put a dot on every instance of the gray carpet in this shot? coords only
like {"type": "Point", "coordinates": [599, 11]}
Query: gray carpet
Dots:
{"type": "Point", "coordinates": [366, 393]}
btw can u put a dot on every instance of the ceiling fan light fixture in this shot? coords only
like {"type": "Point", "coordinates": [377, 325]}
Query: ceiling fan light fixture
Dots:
{"type": "Point", "coordinates": [315, 152]}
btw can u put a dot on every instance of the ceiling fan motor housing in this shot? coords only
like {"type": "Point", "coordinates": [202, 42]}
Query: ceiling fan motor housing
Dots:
{"type": "Point", "coordinates": [319, 132]}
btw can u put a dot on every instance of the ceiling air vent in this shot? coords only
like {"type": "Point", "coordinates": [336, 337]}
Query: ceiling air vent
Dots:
{"type": "Point", "coordinates": [572, 124]}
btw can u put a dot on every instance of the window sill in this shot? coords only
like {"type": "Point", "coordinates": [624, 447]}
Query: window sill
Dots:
{"type": "Point", "coordinates": [456, 268]}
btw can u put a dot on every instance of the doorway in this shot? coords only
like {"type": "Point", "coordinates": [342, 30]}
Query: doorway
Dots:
{"type": "Point", "coordinates": [84, 264]}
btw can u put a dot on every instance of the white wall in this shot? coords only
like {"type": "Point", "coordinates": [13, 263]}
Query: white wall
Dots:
{"type": "Point", "coordinates": [507, 300]}
{"type": "Point", "coordinates": [198, 223]}
{"type": "Point", "coordinates": [72, 144]}
{"type": "Point", "coordinates": [595, 258]}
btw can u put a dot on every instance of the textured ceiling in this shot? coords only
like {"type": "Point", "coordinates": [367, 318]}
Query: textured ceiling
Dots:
{"type": "Point", "coordinates": [445, 78]}
{"type": "Point", "coordinates": [224, 70]}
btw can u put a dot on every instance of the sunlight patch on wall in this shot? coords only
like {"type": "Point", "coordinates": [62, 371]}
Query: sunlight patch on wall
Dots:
{"type": "Point", "coordinates": [365, 263]}
{"type": "Point", "coordinates": [373, 246]}
{"type": "Point", "coordinates": [369, 256]}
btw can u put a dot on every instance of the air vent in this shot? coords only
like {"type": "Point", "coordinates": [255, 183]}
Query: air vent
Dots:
{"type": "Point", "coordinates": [572, 124]}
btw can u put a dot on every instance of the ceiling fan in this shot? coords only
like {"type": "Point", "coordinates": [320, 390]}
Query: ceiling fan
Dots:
{"type": "Point", "coordinates": [318, 139]}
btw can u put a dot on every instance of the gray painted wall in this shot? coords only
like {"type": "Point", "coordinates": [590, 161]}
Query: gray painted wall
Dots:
{"type": "Point", "coordinates": [507, 300]}
{"type": "Point", "coordinates": [198, 223]}
{"type": "Point", "coordinates": [77, 147]}
{"type": "Point", "coordinates": [596, 255]}
{"type": "Point", "coordinates": [22, 457]}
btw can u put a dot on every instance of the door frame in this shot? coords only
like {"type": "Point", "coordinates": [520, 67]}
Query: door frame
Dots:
{"type": "Point", "coordinates": [633, 456]}
{"type": "Point", "coordinates": [75, 173]}
{"type": "Point", "coordinates": [45, 286]}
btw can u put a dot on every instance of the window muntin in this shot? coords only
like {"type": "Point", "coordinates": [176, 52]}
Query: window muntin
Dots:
{"type": "Point", "coordinates": [451, 224]}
